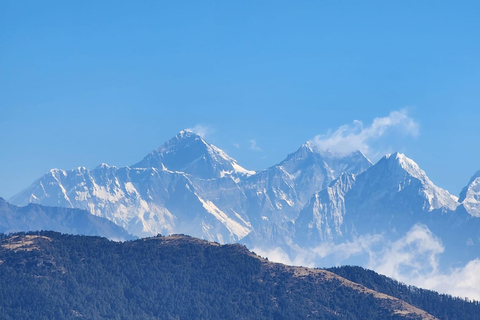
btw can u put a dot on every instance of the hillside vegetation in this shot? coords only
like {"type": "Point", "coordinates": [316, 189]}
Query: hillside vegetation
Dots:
{"type": "Point", "coordinates": [47, 275]}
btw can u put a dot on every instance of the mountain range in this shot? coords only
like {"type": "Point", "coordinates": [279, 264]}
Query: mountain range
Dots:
{"type": "Point", "coordinates": [311, 198]}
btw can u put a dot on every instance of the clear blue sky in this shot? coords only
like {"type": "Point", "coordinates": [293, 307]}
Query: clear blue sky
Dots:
{"type": "Point", "coordinates": [86, 82]}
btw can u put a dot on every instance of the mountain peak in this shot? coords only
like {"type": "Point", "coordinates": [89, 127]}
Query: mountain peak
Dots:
{"type": "Point", "coordinates": [475, 177]}
{"type": "Point", "coordinates": [187, 133]}
{"type": "Point", "coordinates": [399, 157]}
{"type": "Point", "coordinates": [405, 163]}
{"type": "Point", "coordinates": [104, 166]}
{"type": "Point", "coordinates": [310, 146]}
{"type": "Point", "coordinates": [398, 172]}
{"type": "Point", "coordinates": [470, 195]}
{"type": "Point", "coordinates": [399, 161]}
{"type": "Point", "coordinates": [188, 152]}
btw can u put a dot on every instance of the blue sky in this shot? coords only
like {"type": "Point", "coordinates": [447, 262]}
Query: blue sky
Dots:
{"type": "Point", "coordinates": [88, 82]}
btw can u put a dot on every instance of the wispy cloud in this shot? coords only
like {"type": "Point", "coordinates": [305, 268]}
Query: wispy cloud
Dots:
{"type": "Point", "coordinates": [202, 130]}
{"type": "Point", "coordinates": [276, 254]}
{"type": "Point", "coordinates": [413, 255]}
{"type": "Point", "coordinates": [349, 138]}
{"type": "Point", "coordinates": [254, 146]}
{"type": "Point", "coordinates": [343, 251]}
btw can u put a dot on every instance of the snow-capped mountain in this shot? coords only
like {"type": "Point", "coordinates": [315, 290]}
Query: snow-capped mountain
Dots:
{"type": "Point", "coordinates": [393, 193]}
{"type": "Point", "coordinates": [35, 217]}
{"type": "Point", "coordinates": [397, 183]}
{"type": "Point", "coordinates": [390, 196]}
{"type": "Point", "coordinates": [470, 196]}
{"type": "Point", "coordinates": [281, 191]}
{"type": "Point", "coordinates": [145, 201]}
{"type": "Point", "coordinates": [321, 220]}
{"type": "Point", "coordinates": [189, 153]}
{"type": "Point", "coordinates": [388, 200]}
{"type": "Point", "coordinates": [190, 186]}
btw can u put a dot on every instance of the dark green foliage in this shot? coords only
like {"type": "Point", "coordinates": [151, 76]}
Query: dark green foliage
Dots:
{"type": "Point", "coordinates": [442, 306]}
{"type": "Point", "coordinates": [81, 277]}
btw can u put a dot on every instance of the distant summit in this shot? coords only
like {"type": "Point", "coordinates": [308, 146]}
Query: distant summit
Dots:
{"type": "Point", "coordinates": [189, 153]}
{"type": "Point", "coordinates": [470, 196]}
{"type": "Point", "coordinates": [397, 181]}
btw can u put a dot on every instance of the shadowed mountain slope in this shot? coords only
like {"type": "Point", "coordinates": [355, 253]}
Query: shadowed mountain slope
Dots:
{"type": "Point", "coordinates": [34, 217]}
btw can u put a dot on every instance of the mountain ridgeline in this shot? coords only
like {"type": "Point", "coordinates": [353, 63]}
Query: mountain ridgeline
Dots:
{"type": "Point", "coordinates": [47, 275]}
{"type": "Point", "coordinates": [74, 221]}
{"type": "Point", "coordinates": [190, 186]}
{"type": "Point", "coordinates": [312, 197]}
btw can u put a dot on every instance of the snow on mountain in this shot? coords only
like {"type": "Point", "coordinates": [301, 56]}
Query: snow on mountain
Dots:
{"type": "Point", "coordinates": [145, 201]}
{"type": "Point", "coordinates": [367, 212]}
{"type": "Point", "coordinates": [189, 153]}
{"type": "Point", "coordinates": [278, 194]}
{"type": "Point", "coordinates": [190, 186]}
{"type": "Point", "coordinates": [470, 196]}
{"type": "Point", "coordinates": [281, 191]}
{"type": "Point", "coordinates": [35, 217]}
{"type": "Point", "coordinates": [167, 192]}
{"type": "Point", "coordinates": [321, 220]}
{"type": "Point", "coordinates": [396, 183]}
{"type": "Point", "coordinates": [391, 196]}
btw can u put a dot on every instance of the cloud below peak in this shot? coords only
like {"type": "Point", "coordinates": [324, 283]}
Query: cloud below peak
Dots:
{"type": "Point", "coordinates": [356, 136]}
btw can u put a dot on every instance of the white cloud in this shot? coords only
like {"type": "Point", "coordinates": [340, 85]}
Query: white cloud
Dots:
{"type": "Point", "coordinates": [345, 250]}
{"type": "Point", "coordinates": [254, 146]}
{"type": "Point", "coordinates": [349, 138]}
{"type": "Point", "coordinates": [412, 259]}
{"type": "Point", "coordinates": [274, 254]}
{"type": "Point", "coordinates": [326, 254]}
{"type": "Point", "coordinates": [415, 254]}
{"type": "Point", "coordinates": [461, 282]}
{"type": "Point", "coordinates": [201, 130]}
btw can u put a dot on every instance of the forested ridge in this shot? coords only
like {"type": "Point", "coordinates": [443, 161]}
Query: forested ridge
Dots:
{"type": "Point", "coordinates": [442, 306]}
{"type": "Point", "coordinates": [47, 275]}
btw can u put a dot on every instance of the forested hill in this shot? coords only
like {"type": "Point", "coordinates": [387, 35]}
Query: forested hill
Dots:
{"type": "Point", "coordinates": [442, 306]}
{"type": "Point", "coordinates": [47, 275]}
